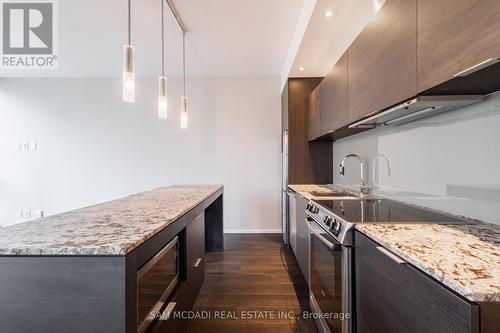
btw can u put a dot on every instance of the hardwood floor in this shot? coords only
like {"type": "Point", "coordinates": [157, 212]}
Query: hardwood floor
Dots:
{"type": "Point", "coordinates": [254, 276]}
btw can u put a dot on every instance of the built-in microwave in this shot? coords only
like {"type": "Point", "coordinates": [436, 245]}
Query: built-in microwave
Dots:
{"type": "Point", "coordinates": [155, 282]}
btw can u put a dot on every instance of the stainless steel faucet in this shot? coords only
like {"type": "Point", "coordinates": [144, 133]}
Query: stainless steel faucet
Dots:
{"type": "Point", "coordinates": [389, 167]}
{"type": "Point", "coordinates": [363, 186]}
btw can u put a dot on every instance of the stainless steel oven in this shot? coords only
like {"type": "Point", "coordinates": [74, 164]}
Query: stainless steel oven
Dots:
{"type": "Point", "coordinates": [155, 281]}
{"type": "Point", "coordinates": [329, 280]}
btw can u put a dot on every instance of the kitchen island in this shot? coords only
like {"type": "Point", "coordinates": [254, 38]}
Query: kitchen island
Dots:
{"type": "Point", "coordinates": [78, 271]}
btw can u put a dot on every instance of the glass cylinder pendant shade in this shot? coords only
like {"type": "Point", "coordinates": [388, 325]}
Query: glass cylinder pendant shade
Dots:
{"type": "Point", "coordinates": [162, 97]}
{"type": "Point", "coordinates": [128, 81]}
{"type": "Point", "coordinates": [184, 114]}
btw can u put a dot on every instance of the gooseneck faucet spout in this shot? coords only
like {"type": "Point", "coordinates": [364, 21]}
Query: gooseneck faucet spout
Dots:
{"type": "Point", "coordinates": [389, 167]}
{"type": "Point", "coordinates": [364, 188]}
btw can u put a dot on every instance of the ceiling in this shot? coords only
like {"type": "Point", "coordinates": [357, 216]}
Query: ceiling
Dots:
{"type": "Point", "coordinates": [225, 38]}
{"type": "Point", "coordinates": [326, 38]}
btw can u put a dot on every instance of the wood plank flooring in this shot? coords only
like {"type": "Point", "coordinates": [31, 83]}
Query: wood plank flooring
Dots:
{"type": "Point", "coordinates": [255, 275]}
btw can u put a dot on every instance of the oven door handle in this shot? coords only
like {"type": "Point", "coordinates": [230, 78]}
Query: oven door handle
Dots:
{"type": "Point", "coordinates": [316, 233]}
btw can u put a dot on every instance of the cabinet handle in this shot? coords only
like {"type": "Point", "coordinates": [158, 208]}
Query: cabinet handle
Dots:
{"type": "Point", "coordinates": [168, 310]}
{"type": "Point", "coordinates": [476, 67]}
{"type": "Point", "coordinates": [197, 262]}
{"type": "Point", "coordinates": [391, 255]}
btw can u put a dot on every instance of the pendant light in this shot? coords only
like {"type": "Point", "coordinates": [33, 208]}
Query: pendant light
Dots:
{"type": "Point", "coordinates": [184, 99]}
{"type": "Point", "coordinates": [128, 80]}
{"type": "Point", "coordinates": [162, 80]}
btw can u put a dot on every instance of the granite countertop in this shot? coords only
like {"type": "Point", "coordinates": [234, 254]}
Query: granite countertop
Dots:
{"type": "Point", "coordinates": [111, 228]}
{"type": "Point", "coordinates": [465, 257]}
{"type": "Point", "coordinates": [306, 189]}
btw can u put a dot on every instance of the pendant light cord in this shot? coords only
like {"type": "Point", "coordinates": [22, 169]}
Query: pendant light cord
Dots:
{"type": "Point", "coordinates": [129, 22]}
{"type": "Point", "coordinates": [184, 60]}
{"type": "Point", "coordinates": [162, 41]}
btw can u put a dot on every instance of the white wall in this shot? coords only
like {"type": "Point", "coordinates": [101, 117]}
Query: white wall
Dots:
{"type": "Point", "coordinates": [92, 147]}
{"type": "Point", "coordinates": [449, 162]}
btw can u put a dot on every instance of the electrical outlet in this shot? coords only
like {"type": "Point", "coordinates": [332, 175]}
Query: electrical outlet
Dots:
{"type": "Point", "coordinates": [38, 214]}
{"type": "Point", "coordinates": [27, 146]}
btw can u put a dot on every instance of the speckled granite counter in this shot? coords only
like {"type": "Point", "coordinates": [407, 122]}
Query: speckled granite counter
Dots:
{"type": "Point", "coordinates": [305, 190]}
{"type": "Point", "coordinates": [466, 258]}
{"type": "Point", "coordinates": [112, 228]}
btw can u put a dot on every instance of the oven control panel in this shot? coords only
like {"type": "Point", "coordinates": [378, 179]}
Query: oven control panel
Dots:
{"type": "Point", "coordinates": [334, 225]}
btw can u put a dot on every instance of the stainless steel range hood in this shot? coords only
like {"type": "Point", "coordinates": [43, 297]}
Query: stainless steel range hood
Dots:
{"type": "Point", "coordinates": [417, 108]}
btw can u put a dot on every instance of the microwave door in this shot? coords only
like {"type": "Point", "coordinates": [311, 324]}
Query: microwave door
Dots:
{"type": "Point", "coordinates": [155, 281]}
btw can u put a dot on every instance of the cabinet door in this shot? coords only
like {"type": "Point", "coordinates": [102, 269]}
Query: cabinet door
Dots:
{"type": "Point", "coordinates": [453, 36]}
{"type": "Point", "coordinates": [302, 236]}
{"type": "Point", "coordinates": [383, 60]}
{"type": "Point", "coordinates": [313, 120]}
{"type": "Point", "coordinates": [292, 218]}
{"type": "Point", "coordinates": [395, 297]}
{"type": "Point", "coordinates": [333, 97]}
{"type": "Point", "coordinates": [195, 253]}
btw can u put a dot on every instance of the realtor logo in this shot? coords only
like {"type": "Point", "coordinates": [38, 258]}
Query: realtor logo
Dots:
{"type": "Point", "coordinates": [28, 34]}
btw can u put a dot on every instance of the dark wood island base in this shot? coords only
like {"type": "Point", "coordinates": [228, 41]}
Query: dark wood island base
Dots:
{"type": "Point", "coordinates": [99, 293]}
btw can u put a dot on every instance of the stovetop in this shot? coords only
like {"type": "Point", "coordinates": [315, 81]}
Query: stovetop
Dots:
{"type": "Point", "coordinates": [338, 217]}
{"type": "Point", "coordinates": [383, 211]}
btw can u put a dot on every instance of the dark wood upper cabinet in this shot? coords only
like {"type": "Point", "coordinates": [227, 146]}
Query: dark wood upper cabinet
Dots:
{"type": "Point", "coordinates": [410, 47]}
{"type": "Point", "coordinates": [333, 98]}
{"type": "Point", "coordinates": [313, 115]}
{"type": "Point", "coordinates": [454, 36]}
{"type": "Point", "coordinates": [308, 162]}
{"type": "Point", "coordinates": [383, 60]}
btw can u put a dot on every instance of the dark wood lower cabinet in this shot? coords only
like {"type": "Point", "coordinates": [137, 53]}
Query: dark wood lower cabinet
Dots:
{"type": "Point", "coordinates": [195, 254]}
{"type": "Point", "coordinates": [396, 297]}
{"type": "Point", "coordinates": [302, 254]}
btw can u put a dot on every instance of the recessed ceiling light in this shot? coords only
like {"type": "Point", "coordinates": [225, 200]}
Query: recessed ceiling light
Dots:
{"type": "Point", "coordinates": [301, 69]}
{"type": "Point", "coordinates": [329, 13]}
{"type": "Point", "coordinates": [377, 4]}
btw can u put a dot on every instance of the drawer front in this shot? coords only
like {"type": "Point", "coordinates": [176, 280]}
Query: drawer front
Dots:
{"type": "Point", "coordinates": [396, 297]}
{"type": "Point", "coordinates": [195, 253]}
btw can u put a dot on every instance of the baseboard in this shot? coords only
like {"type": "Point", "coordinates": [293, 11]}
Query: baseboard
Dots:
{"type": "Point", "coordinates": [252, 231]}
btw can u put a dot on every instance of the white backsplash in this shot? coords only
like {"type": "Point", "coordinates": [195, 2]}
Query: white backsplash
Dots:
{"type": "Point", "coordinates": [449, 161]}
